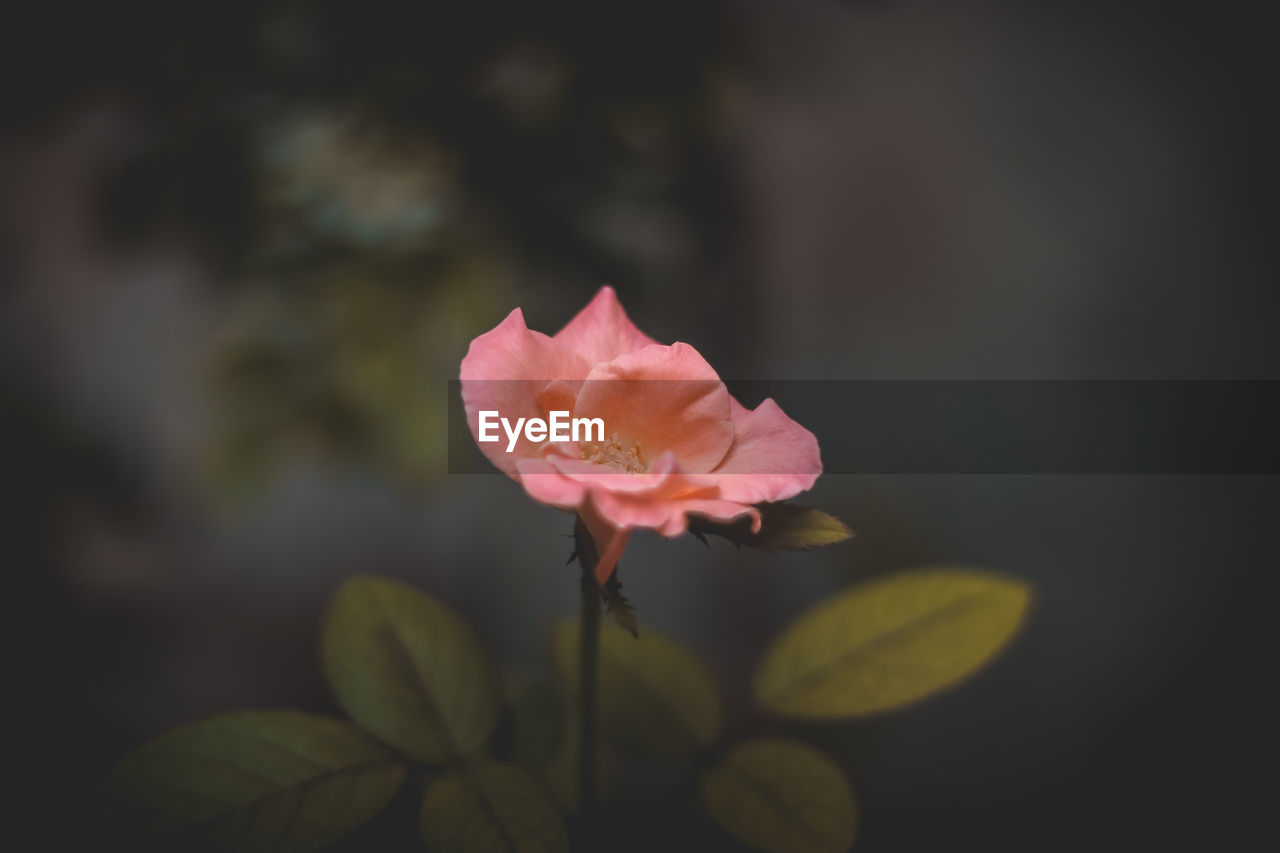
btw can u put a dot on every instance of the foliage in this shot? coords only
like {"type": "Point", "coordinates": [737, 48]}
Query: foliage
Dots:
{"type": "Point", "coordinates": [656, 698]}
{"type": "Point", "coordinates": [781, 796]}
{"type": "Point", "coordinates": [254, 780]}
{"type": "Point", "coordinates": [888, 643]}
{"type": "Point", "coordinates": [410, 671]}
{"type": "Point", "coordinates": [492, 807]}
{"type": "Point", "coordinates": [499, 768]}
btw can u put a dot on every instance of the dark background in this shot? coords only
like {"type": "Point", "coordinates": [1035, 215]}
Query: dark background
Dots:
{"type": "Point", "coordinates": [244, 247]}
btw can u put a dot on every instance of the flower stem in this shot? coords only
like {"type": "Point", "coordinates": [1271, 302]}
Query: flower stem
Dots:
{"type": "Point", "coordinates": [588, 670]}
{"type": "Point", "coordinates": [588, 663]}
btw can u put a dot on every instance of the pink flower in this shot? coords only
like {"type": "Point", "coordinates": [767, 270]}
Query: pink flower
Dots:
{"type": "Point", "coordinates": [675, 443]}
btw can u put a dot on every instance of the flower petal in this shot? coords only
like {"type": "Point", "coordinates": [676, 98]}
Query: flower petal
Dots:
{"type": "Point", "coordinates": [544, 483]}
{"type": "Point", "coordinates": [663, 479]}
{"type": "Point", "coordinates": [669, 516]}
{"type": "Point", "coordinates": [505, 370]}
{"type": "Point", "coordinates": [723, 511]}
{"type": "Point", "coordinates": [772, 458]}
{"type": "Point", "coordinates": [602, 331]}
{"type": "Point", "coordinates": [627, 512]}
{"type": "Point", "coordinates": [664, 398]}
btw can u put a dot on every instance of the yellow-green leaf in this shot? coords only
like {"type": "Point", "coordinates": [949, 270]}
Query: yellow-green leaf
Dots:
{"type": "Point", "coordinates": [491, 807]}
{"type": "Point", "coordinates": [783, 527]}
{"type": "Point", "coordinates": [881, 645]}
{"type": "Point", "coordinates": [655, 697]}
{"type": "Point", "coordinates": [780, 796]}
{"type": "Point", "coordinates": [253, 780]}
{"type": "Point", "coordinates": [409, 670]}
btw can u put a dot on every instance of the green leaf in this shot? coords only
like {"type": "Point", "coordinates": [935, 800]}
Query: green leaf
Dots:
{"type": "Point", "coordinates": [491, 807]}
{"type": "Point", "coordinates": [890, 642]}
{"type": "Point", "coordinates": [780, 796]}
{"type": "Point", "coordinates": [783, 527]}
{"type": "Point", "coordinates": [655, 698]}
{"type": "Point", "coordinates": [279, 780]}
{"type": "Point", "coordinates": [409, 670]}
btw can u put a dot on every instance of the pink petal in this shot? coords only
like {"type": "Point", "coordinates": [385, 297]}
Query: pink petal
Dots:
{"type": "Point", "coordinates": [661, 480]}
{"type": "Point", "coordinates": [668, 516]}
{"type": "Point", "coordinates": [602, 331]}
{"type": "Point", "coordinates": [626, 512]}
{"type": "Point", "coordinates": [725, 511]}
{"type": "Point", "coordinates": [772, 458]}
{"type": "Point", "coordinates": [664, 399]}
{"type": "Point", "coordinates": [544, 483]}
{"type": "Point", "coordinates": [498, 374]}
{"type": "Point", "coordinates": [599, 478]}
{"type": "Point", "coordinates": [558, 396]}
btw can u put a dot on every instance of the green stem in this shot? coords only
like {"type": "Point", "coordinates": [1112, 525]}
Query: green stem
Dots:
{"type": "Point", "coordinates": [588, 660]}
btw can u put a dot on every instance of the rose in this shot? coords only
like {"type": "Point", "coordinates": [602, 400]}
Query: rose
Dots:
{"type": "Point", "coordinates": [676, 442]}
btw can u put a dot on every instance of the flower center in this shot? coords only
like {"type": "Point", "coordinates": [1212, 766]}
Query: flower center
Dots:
{"type": "Point", "coordinates": [615, 453]}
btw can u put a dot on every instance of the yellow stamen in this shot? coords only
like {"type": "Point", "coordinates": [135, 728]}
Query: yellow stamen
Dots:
{"type": "Point", "coordinates": [614, 453]}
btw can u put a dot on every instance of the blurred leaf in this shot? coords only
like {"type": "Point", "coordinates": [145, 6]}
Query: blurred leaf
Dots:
{"type": "Point", "coordinates": [780, 796]}
{"type": "Point", "coordinates": [783, 527]}
{"type": "Point", "coordinates": [537, 724]}
{"type": "Point", "coordinates": [278, 780]}
{"type": "Point", "coordinates": [409, 670]}
{"type": "Point", "coordinates": [883, 644]}
{"type": "Point", "coordinates": [327, 361]}
{"type": "Point", "coordinates": [656, 698]}
{"type": "Point", "coordinates": [491, 807]}
{"type": "Point", "coordinates": [361, 182]}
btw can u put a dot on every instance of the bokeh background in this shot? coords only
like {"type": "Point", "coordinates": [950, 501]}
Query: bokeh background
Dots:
{"type": "Point", "coordinates": [245, 245]}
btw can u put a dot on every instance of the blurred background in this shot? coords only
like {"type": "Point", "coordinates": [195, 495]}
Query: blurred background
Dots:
{"type": "Point", "coordinates": [243, 247]}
